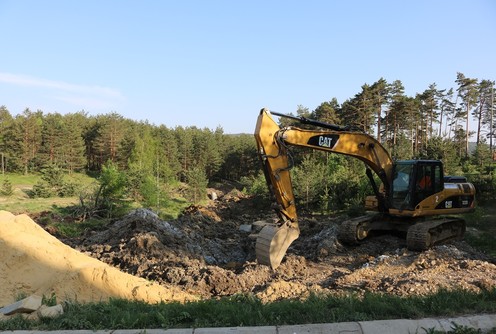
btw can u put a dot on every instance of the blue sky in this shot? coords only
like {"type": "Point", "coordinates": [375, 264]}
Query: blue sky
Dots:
{"type": "Point", "coordinates": [218, 62]}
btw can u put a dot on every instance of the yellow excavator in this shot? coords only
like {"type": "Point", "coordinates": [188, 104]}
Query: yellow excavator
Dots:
{"type": "Point", "coordinates": [413, 196]}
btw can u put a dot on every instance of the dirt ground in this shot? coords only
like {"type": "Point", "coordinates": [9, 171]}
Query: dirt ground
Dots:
{"type": "Point", "coordinates": [207, 253]}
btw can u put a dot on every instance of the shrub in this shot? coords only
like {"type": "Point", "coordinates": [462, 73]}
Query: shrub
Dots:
{"type": "Point", "coordinates": [7, 189]}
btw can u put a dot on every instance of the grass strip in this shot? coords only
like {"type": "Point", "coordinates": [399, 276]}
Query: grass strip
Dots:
{"type": "Point", "coordinates": [246, 310]}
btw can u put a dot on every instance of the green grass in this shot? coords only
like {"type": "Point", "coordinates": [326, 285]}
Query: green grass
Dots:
{"type": "Point", "coordinates": [481, 226]}
{"type": "Point", "coordinates": [76, 229]}
{"type": "Point", "coordinates": [20, 202]}
{"type": "Point", "coordinates": [173, 207]}
{"type": "Point", "coordinates": [246, 310]}
{"type": "Point", "coordinates": [20, 179]}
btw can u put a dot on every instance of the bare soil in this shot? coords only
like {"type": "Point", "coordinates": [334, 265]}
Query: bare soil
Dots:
{"type": "Point", "coordinates": [207, 252]}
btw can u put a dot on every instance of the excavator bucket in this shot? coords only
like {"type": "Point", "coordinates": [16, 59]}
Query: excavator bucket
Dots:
{"type": "Point", "coordinates": [273, 242]}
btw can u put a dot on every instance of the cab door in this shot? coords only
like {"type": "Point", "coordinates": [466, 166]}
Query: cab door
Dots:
{"type": "Point", "coordinates": [428, 180]}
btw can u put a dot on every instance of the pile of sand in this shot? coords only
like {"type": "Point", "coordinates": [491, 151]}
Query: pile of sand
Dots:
{"type": "Point", "coordinates": [35, 262]}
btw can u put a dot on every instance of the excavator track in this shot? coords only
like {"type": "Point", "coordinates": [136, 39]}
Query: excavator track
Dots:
{"type": "Point", "coordinates": [426, 234]}
{"type": "Point", "coordinates": [354, 230]}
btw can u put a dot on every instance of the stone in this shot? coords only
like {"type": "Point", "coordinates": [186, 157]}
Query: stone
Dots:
{"type": "Point", "coordinates": [245, 228]}
{"type": "Point", "coordinates": [50, 311]}
{"type": "Point", "coordinates": [26, 305]}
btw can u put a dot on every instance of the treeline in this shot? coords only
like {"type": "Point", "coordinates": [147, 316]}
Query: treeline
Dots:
{"type": "Point", "coordinates": [455, 125]}
{"type": "Point", "coordinates": [407, 125]}
{"type": "Point", "coordinates": [436, 123]}
{"type": "Point", "coordinates": [77, 142]}
{"type": "Point", "coordinates": [132, 160]}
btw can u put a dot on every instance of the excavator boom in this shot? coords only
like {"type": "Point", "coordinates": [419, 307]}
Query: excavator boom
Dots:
{"type": "Point", "coordinates": [273, 141]}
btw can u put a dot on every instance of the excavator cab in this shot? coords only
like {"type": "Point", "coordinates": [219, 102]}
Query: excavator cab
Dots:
{"type": "Point", "coordinates": [414, 181]}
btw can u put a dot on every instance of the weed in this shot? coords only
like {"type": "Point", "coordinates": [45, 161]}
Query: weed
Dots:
{"type": "Point", "coordinates": [49, 301]}
{"type": "Point", "coordinates": [21, 295]}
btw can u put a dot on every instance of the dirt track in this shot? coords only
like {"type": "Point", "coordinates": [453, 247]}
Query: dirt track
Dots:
{"type": "Point", "coordinates": [205, 253]}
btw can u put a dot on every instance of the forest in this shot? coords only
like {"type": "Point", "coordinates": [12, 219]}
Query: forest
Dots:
{"type": "Point", "coordinates": [142, 161]}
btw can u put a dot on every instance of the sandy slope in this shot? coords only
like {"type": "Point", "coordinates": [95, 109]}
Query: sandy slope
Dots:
{"type": "Point", "coordinates": [34, 262]}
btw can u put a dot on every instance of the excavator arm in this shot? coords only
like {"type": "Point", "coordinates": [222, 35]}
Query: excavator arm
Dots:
{"type": "Point", "coordinates": [273, 142]}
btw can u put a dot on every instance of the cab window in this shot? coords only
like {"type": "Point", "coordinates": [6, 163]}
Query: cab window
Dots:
{"type": "Point", "coordinates": [401, 186]}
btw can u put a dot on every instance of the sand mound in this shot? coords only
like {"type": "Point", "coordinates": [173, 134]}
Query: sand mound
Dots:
{"type": "Point", "coordinates": [34, 262]}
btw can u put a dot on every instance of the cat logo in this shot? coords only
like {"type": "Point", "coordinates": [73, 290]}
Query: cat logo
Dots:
{"type": "Point", "coordinates": [327, 141]}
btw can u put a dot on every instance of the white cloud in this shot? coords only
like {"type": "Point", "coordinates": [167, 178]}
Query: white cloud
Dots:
{"type": "Point", "coordinates": [28, 81]}
{"type": "Point", "coordinates": [85, 102]}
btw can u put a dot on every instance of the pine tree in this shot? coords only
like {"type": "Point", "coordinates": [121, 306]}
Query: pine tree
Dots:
{"type": "Point", "coordinates": [168, 162]}
{"type": "Point", "coordinates": [110, 131]}
{"type": "Point", "coordinates": [429, 109]}
{"type": "Point", "coordinates": [380, 92]}
{"type": "Point", "coordinates": [326, 112]}
{"type": "Point", "coordinates": [396, 114]}
{"type": "Point", "coordinates": [29, 128]}
{"type": "Point", "coordinates": [184, 137]}
{"type": "Point", "coordinates": [483, 112]}
{"type": "Point", "coordinates": [197, 181]}
{"type": "Point", "coordinates": [6, 132]}
{"type": "Point", "coordinates": [468, 91]}
{"type": "Point", "coordinates": [73, 147]}
{"type": "Point", "coordinates": [447, 109]}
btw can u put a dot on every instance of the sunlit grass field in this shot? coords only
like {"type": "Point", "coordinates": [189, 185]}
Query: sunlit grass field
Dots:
{"type": "Point", "coordinates": [20, 202]}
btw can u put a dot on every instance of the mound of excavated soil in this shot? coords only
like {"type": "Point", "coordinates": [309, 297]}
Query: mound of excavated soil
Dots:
{"type": "Point", "coordinates": [207, 252]}
{"type": "Point", "coordinates": [34, 262]}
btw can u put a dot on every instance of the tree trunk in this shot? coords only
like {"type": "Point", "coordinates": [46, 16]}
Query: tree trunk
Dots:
{"type": "Point", "coordinates": [466, 131]}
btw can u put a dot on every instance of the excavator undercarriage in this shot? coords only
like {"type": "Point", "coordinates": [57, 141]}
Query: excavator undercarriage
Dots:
{"type": "Point", "coordinates": [421, 233]}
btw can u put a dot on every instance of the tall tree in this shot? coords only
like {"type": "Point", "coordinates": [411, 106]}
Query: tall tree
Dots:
{"type": "Point", "coordinates": [380, 91]}
{"type": "Point", "coordinates": [301, 111]}
{"type": "Point", "coordinates": [359, 111]}
{"type": "Point", "coordinates": [489, 121]}
{"type": "Point", "coordinates": [326, 112]}
{"type": "Point", "coordinates": [29, 127]}
{"type": "Point", "coordinates": [197, 181]}
{"type": "Point", "coordinates": [184, 137]}
{"type": "Point", "coordinates": [6, 129]}
{"type": "Point", "coordinates": [430, 108]}
{"type": "Point", "coordinates": [168, 153]}
{"type": "Point", "coordinates": [143, 176]}
{"type": "Point", "coordinates": [53, 139]}
{"type": "Point", "coordinates": [240, 157]}
{"type": "Point", "coordinates": [110, 133]}
{"type": "Point", "coordinates": [73, 148]}
{"type": "Point", "coordinates": [396, 115]}
{"type": "Point", "coordinates": [482, 113]}
{"type": "Point", "coordinates": [207, 146]}
{"type": "Point", "coordinates": [446, 110]}
{"type": "Point", "coordinates": [468, 92]}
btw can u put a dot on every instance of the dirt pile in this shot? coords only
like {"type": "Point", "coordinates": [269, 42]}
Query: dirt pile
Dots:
{"type": "Point", "coordinates": [34, 262]}
{"type": "Point", "coordinates": [208, 253]}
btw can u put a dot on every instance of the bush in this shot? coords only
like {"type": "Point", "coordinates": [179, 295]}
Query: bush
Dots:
{"type": "Point", "coordinates": [52, 184]}
{"type": "Point", "coordinates": [256, 186]}
{"type": "Point", "coordinates": [42, 190]}
{"type": "Point", "coordinates": [7, 189]}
